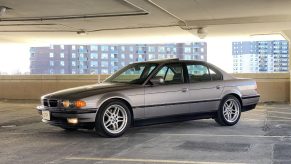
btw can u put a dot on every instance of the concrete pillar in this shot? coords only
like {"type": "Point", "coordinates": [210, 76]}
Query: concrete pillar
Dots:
{"type": "Point", "coordinates": [287, 36]}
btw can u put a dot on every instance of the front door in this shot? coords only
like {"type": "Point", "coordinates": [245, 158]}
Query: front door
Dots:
{"type": "Point", "coordinates": [170, 97]}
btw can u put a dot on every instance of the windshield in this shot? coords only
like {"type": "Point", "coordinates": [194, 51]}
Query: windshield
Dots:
{"type": "Point", "coordinates": [133, 74]}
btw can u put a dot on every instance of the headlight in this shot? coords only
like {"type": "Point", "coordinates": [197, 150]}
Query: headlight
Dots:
{"type": "Point", "coordinates": [66, 103]}
{"type": "Point", "coordinates": [73, 104]}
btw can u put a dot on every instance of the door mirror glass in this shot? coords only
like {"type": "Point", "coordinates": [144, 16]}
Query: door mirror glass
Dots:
{"type": "Point", "coordinates": [157, 80]}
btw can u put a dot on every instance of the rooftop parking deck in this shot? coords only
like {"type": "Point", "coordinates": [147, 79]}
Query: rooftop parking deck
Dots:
{"type": "Point", "coordinates": [262, 136]}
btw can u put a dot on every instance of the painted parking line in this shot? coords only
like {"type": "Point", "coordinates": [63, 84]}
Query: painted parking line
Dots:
{"type": "Point", "coordinates": [279, 112]}
{"type": "Point", "coordinates": [286, 118]}
{"type": "Point", "coordinates": [257, 120]}
{"type": "Point", "coordinates": [145, 160]}
{"type": "Point", "coordinates": [217, 135]}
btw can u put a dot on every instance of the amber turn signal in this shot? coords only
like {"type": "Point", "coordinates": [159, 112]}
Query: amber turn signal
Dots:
{"type": "Point", "coordinates": [80, 103]}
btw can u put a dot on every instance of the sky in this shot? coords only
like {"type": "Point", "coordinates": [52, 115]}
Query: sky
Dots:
{"type": "Point", "coordinates": [15, 57]}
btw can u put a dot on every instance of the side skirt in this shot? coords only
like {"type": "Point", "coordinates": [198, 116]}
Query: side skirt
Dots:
{"type": "Point", "coordinates": [175, 118]}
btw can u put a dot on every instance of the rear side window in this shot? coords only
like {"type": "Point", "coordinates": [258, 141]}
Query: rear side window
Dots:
{"type": "Point", "coordinates": [198, 73]}
{"type": "Point", "coordinates": [201, 73]}
{"type": "Point", "coordinates": [215, 75]}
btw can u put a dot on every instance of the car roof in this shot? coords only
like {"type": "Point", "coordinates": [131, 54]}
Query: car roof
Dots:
{"type": "Point", "coordinates": [171, 60]}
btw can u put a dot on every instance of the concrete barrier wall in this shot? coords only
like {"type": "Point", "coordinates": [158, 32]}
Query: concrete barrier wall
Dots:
{"type": "Point", "coordinates": [271, 86]}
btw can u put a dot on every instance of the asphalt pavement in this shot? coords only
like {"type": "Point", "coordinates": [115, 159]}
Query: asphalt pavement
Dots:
{"type": "Point", "coordinates": [262, 136]}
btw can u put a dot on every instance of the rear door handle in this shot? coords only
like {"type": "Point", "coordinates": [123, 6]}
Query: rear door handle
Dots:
{"type": "Point", "coordinates": [218, 86]}
{"type": "Point", "coordinates": [185, 89]}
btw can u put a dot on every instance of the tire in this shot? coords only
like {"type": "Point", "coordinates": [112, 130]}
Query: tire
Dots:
{"type": "Point", "coordinates": [229, 111]}
{"type": "Point", "coordinates": [113, 119]}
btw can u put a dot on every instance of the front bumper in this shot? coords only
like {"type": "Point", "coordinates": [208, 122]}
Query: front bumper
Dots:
{"type": "Point", "coordinates": [59, 116]}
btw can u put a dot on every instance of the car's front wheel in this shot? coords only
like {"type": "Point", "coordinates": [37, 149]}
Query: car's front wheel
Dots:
{"type": "Point", "coordinates": [229, 111]}
{"type": "Point", "coordinates": [113, 119]}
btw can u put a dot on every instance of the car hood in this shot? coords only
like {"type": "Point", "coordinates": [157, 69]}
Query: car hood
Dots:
{"type": "Point", "coordinates": [87, 91]}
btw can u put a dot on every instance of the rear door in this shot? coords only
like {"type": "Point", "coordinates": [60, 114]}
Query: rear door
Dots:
{"type": "Point", "coordinates": [205, 87]}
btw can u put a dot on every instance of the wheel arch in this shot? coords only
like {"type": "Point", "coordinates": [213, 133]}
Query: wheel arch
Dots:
{"type": "Point", "coordinates": [235, 95]}
{"type": "Point", "coordinates": [104, 102]}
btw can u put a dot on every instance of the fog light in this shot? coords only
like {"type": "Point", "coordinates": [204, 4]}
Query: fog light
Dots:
{"type": "Point", "coordinates": [72, 120]}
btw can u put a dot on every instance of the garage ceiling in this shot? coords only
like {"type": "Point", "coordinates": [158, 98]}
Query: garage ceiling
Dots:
{"type": "Point", "coordinates": [33, 21]}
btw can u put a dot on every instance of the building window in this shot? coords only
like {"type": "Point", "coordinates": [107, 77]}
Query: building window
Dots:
{"type": "Point", "coordinates": [94, 63]}
{"type": "Point", "coordinates": [161, 49]}
{"type": "Point", "coordinates": [104, 64]}
{"type": "Point", "coordinates": [62, 47]}
{"type": "Point", "coordinates": [175, 49]}
{"type": "Point", "coordinates": [62, 55]}
{"type": "Point", "coordinates": [131, 56]}
{"type": "Point", "coordinates": [62, 63]}
{"type": "Point", "coordinates": [104, 71]}
{"type": "Point", "coordinates": [62, 71]}
{"type": "Point", "coordinates": [73, 47]}
{"type": "Point", "coordinates": [112, 48]}
{"type": "Point", "coordinates": [94, 55]}
{"type": "Point", "coordinates": [74, 71]}
{"type": "Point", "coordinates": [51, 46]}
{"type": "Point", "coordinates": [122, 48]}
{"type": "Point", "coordinates": [187, 50]}
{"type": "Point", "coordinates": [161, 56]}
{"type": "Point", "coordinates": [93, 72]}
{"type": "Point", "coordinates": [94, 48]}
{"type": "Point", "coordinates": [104, 48]}
{"type": "Point", "coordinates": [131, 49]}
{"type": "Point", "coordinates": [51, 55]}
{"type": "Point", "coordinates": [122, 56]}
{"type": "Point", "coordinates": [73, 55]}
{"type": "Point", "coordinates": [81, 55]}
{"type": "Point", "coordinates": [104, 56]}
{"type": "Point", "coordinates": [81, 47]}
{"type": "Point", "coordinates": [51, 71]}
{"type": "Point", "coordinates": [73, 63]}
{"type": "Point", "coordinates": [151, 49]}
{"type": "Point", "coordinates": [51, 63]}
{"type": "Point", "coordinates": [187, 57]}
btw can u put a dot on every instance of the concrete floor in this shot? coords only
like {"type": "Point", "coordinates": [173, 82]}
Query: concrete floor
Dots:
{"type": "Point", "coordinates": [262, 136]}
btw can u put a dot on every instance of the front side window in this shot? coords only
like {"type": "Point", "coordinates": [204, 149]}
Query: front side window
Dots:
{"type": "Point", "coordinates": [133, 74]}
{"type": "Point", "coordinates": [171, 73]}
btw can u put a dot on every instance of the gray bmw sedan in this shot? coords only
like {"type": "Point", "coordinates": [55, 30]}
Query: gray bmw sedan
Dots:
{"type": "Point", "coordinates": [151, 92]}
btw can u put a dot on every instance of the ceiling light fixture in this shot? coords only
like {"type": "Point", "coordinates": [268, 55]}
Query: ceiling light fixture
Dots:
{"type": "Point", "coordinates": [2, 10]}
{"type": "Point", "coordinates": [201, 32]}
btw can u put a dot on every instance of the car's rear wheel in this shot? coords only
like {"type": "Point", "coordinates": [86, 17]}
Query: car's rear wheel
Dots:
{"type": "Point", "coordinates": [229, 111]}
{"type": "Point", "coordinates": [113, 119]}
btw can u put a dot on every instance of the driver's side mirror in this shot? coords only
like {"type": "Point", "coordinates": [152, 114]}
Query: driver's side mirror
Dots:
{"type": "Point", "coordinates": [157, 80]}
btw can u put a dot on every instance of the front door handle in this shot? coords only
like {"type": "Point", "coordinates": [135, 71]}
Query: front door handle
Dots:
{"type": "Point", "coordinates": [218, 86]}
{"type": "Point", "coordinates": [185, 89]}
